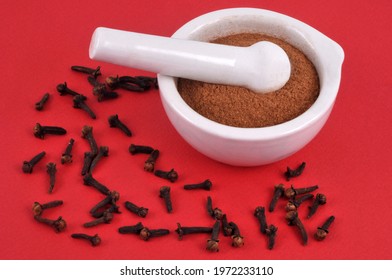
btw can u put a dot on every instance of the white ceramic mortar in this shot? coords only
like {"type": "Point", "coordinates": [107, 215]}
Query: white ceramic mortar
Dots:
{"type": "Point", "coordinates": [255, 146]}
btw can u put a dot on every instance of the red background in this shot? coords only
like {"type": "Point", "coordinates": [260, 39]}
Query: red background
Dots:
{"type": "Point", "coordinates": [350, 159]}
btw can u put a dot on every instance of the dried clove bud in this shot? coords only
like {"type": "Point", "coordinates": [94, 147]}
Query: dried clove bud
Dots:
{"type": "Point", "coordinates": [170, 175]}
{"type": "Point", "coordinates": [149, 164]}
{"type": "Point", "coordinates": [278, 192]}
{"type": "Point", "coordinates": [291, 173]}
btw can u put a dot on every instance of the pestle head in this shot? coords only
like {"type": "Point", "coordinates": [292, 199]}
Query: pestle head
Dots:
{"type": "Point", "coordinates": [268, 67]}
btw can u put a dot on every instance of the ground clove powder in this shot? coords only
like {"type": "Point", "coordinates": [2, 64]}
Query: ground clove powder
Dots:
{"type": "Point", "coordinates": [240, 107]}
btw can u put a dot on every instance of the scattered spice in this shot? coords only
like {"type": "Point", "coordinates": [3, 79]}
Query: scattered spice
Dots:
{"type": "Point", "coordinates": [28, 166]}
{"type": "Point", "coordinates": [40, 104]}
{"type": "Point", "coordinates": [322, 231]}
{"type": "Point", "coordinates": [89, 180]}
{"type": "Point", "coordinates": [63, 89]}
{"type": "Point", "coordinates": [271, 234]}
{"type": "Point", "coordinates": [291, 173]}
{"type": "Point", "coordinates": [138, 210]}
{"type": "Point", "coordinates": [237, 238]}
{"type": "Point", "coordinates": [293, 220]}
{"type": "Point", "coordinates": [40, 130]}
{"type": "Point", "coordinates": [240, 107]}
{"type": "Point", "coordinates": [164, 192]}
{"type": "Point", "coordinates": [260, 215]}
{"type": "Point", "coordinates": [88, 158]}
{"type": "Point", "coordinates": [293, 204]}
{"type": "Point", "coordinates": [79, 103]}
{"type": "Point", "coordinates": [110, 199]}
{"type": "Point", "coordinates": [58, 225]}
{"type": "Point", "coordinates": [67, 156]}
{"type": "Point", "coordinates": [320, 199]}
{"type": "Point", "coordinates": [114, 121]}
{"type": "Point", "coordinates": [146, 233]}
{"type": "Point", "coordinates": [216, 212]}
{"type": "Point", "coordinates": [213, 242]}
{"type": "Point", "coordinates": [205, 185]}
{"type": "Point", "coordinates": [106, 218]}
{"type": "Point", "coordinates": [87, 133]}
{"type": "Point", "coordinates": [39, 208]}
{"type": "Point", "coordinates": [140, 149]}
{"type": "Point", "coordinates": [103, 210]}
{"type": "Point", "coordinates": [87, 70]}
{"type": "Point", "coordinates": [149, 164]}
{"type": "Point", "coordinates": [181, 231]}
{"type": "Point", "coordinates": [278, 193]}
{"type": "Point", "coordinates": [95, 240]}
{"type": "Point", "coordinates": [102, 152]}
{"type": "Point", "coordinates": [170, 175]}
{"type": "Point", "coordinates": [134, 229]}
{"type": "Point", "coordinates": [226, 227]}
{"type": "Point", "coordinates": [292, 192]}
{"type": "Point", "coordinates": [51, 170]}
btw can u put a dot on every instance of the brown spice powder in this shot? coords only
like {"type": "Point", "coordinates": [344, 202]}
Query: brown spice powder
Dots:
{"type": "Point", "coordinates": [240, 107]}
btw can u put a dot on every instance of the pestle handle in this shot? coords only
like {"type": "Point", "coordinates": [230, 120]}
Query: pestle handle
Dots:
{"type": "Point", "coordinates": [262, 67]}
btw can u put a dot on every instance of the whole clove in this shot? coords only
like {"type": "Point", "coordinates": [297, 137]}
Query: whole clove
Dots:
{"type": "Point", "coordinates": [89, 180]}
{"type": "Point", "coordinates": [28, 166]}
{"type": "Point", "coordinates": [95, 240]}
{"type": "Point", "coordinates": [322, 231]}
{"type": "Point", "coordinates": [271, 234]}
{"type": "Point", "coordinates": [278, 193]}
{"type": "Point", "coordinates": [114, 121]}
{"type": "Point", "coordinates": [102, 152]}
{"type": "Point", "coordinates": [126, 82]}
{"type": "Point", "coordinates": [236, 237]}
{"type": "Point", "coordinates": [148, 81]}
{"type": "Point", "coordinates": [320, 199]}
{"type": "Point", "coordinates": [140, 211]}
{"type": "Point", "coordinates": [100, 90]}
{"type": "Point", "coordinates": [113, 208]}
{"type": "Point", "coordinates": [40, 130]}
{"type": "Point", "coordinates": [164, 192]}
{"type": "Point", "coordinates": [134, 229]}
{"type": "Point", "coordinates": [293, 204]}
{"type": "Point", "coordinates": [140, 149]}
{"type": "Point", "coordinates": [106, 218]}
{"type": "Point", "coordinates": [64, 90]}
{"type": "Point", "coordinates": [205, 185]}
{"type": "Point", "coordinates": [149, 164]}
{"type": "Point", "coordinates": [260, 215]}
{"type": "Point", "coordinates": [293, 220]}
{"type": "Point", "coordinates": [79, 103]}
{"type": "Point", "coordinates": [40, 104]}
{"type": "Point", "coordinates": [67, 155]}
{"type": "Point", "coordinates": [216, 212]}
{"type": "Point", "coordinates": [170, 175]}
{"type": "Point", "coordinates": [87, 70]}
{"type": "Point", "coordinates": [39, 208]}
{"type": "Point", "coordinates": [58, 225]}
{"type": "Point", "coordinates": [110, 199]}
{"type": "Point", "coordinates": [291, 173]}
{"type": "Point", "coordinates": [226, 228]}
{"type": "Point", "coordinates": [181, 231]}
{"type": "Point", "coordinates": [87, 133]}
{"type": "Point", "coordinates": [51, 170]}
{"type": "Point", "coordinates": [88, 158]}
{"type": "Point", "coordinates": [146, 233]}
{"type": "Point", "coordinates": [292, 192]}
{"type": "Point", "coordinates": [213, 242]}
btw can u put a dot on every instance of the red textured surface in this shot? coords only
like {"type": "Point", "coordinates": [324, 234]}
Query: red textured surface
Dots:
{"type": "Point", "coordinates": [350, 159]}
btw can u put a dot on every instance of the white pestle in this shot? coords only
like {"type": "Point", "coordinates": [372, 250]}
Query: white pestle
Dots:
{"type": "Point", "coordinates": [262, 67]}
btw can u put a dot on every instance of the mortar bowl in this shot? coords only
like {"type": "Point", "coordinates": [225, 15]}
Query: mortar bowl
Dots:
{"type": "Point", "coordinates": [255, 146]}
